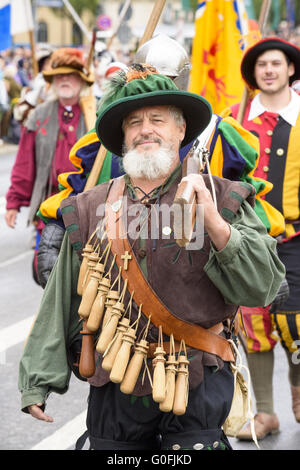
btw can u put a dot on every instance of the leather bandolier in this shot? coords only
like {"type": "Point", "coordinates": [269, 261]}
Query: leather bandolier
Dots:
{"type": "Point", "coordinates": [178, 296]}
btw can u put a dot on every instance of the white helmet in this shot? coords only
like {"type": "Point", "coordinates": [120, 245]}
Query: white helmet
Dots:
{"type": "Point", "coordinates": [168, 57]}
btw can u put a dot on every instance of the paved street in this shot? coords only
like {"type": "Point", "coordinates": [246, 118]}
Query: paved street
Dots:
{"type": "Point", "coordinates": [19, 302]}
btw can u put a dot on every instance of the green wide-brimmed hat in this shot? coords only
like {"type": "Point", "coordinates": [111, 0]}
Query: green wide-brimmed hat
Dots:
{"type": "Point", "coordinates": [143, 86]}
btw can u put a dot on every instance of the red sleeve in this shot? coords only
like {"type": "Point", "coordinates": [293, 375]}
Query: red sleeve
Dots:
{"type": "Point", "coordinates": [235, 110]}
{"type": "Point", "coordinates": [23, 172]}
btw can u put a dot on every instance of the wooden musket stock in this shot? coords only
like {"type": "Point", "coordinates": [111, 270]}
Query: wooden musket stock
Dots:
{"type": "Point", "coordinates": [185, 204]}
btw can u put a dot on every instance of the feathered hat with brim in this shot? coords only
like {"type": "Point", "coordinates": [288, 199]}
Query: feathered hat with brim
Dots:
{"type": "Point", "coordinates": [66, 61]}
{"type": "Point", "coordinates": [143, 86]}
{"type": "Point", "coordinates": [251, 55]}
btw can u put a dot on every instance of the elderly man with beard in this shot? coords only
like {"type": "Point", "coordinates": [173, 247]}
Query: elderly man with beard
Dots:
{"type": "Point", "coordinates": [171, 292]}
{"type": "Point", "coordinates": [233, 153]}
{"type": "Point", "coordinates": [47, 138]}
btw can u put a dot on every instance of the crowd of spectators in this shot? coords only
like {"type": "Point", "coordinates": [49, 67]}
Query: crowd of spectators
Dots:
{"type": "Point", "coordinates": [288, 32]}
{"type": "Point", "coordinates": [16, 77]}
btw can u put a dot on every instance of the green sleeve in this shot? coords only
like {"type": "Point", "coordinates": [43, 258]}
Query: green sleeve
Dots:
{"type": "Point", "coordinates": [247, 271]}
{"type": "Point", "coordinates": [44, 367]}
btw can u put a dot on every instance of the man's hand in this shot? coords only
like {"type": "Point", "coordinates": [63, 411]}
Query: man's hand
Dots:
{"type": "Point", "coordinates": [217, 228]}
{"type": "Point", "coordinates": [10, 217]}
{"type": "Point", "coordinates": [38, 413]}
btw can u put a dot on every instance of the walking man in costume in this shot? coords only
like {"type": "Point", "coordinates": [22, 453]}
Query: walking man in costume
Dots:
{"type": "Point", "coordinates": [168, 290]}
{"type": "Point", "coordinates": [271, 66]}
{"type": "Point", "coordinates": [47, 138]}
{"type": "Point", "coordinates": [233, 154]}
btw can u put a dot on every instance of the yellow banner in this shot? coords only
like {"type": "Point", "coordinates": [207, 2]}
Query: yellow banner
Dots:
{"type": "Point", "coordinates": [221, 36]}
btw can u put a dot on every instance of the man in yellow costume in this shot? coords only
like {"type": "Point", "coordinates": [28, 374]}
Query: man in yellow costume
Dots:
{"type": "Point", "coordinates": [270, 66]}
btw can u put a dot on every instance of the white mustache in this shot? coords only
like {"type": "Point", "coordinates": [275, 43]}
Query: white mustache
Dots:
{"type": "Point", "coordinates": [141, 141]}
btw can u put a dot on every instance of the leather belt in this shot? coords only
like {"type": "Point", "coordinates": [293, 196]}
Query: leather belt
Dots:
{"type": "Point", "coordinates": [217, 329]}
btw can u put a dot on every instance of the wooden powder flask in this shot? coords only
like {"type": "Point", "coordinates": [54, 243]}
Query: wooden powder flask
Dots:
{"type": "Point", "coordinates": [90, 291]}
{"type": "Point", "coordinates": [112, 298]}
{"type": "Point", "coordinates": [87, 365]}
{"type": "Point", "coordinates": [97, 309]}
{"type": "Point", "coordinates": [135, 365]}
{"type": "Point", "coordinates": [112, 349]}
{"type": "Point", "coordinates": [109, 329]}
{"type": "Point", "coordinates": [91, 288]}
{"type": "Point", "coordinates": [87, 250]}
{"type": "Point", "coordinates": [90, 253]}
{"type": "Point", "coordinates": [122, 358]}
{"type": "Point", "coordinates": [171, 370]}
{"type": "Point", "coordinates": [182, 384]}
{"type": "Point", "coordinates": [91, 261]}
{"type": "Point", "coordinates": [92, 264]}
{"type": "Point", "coordinates": [159, 373]}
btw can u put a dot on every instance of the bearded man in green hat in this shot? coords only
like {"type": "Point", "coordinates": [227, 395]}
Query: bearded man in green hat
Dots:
{"type": "Point", "coordinates": [182, 300]}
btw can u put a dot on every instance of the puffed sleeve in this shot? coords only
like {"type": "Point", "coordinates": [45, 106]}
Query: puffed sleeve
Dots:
{"type": "Point", "coordinates": [44, 365]}
{"type": "Point", "coordinates": [247, 271]}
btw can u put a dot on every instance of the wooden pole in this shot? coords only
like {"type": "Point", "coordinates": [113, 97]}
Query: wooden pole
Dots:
{"type": "Point", "coordinates": [153, 20]}
{"type": "Point", "coordinates": [33, 54]}
{"type": "Point", "coordinates": [91, 51]}
{"type": "Point", "coordinates": [88, 102]}
{"type": "Point", "coordinates": [121, 17]}
{"type": "Point", "coordinates": [151, 25]}
{"type": "Point", "coordinates": [262, 21]}
{"type": "Point", "coordinates": [263, 16]}
{"type": "Point", "coordinates": [77, 19]}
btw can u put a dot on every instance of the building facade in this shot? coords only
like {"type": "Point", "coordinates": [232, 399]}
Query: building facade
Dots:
{"type": "Point", "coordinates": [58, 27]}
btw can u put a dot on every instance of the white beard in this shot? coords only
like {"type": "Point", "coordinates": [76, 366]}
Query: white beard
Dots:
{"type": "Point", "coordinates": [149, 165]}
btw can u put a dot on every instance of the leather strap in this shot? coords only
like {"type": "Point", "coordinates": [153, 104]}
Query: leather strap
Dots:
{"type": "Point", "coordinates": [166, 347]}
{"type": "Point", "coordinates": [193, 335]}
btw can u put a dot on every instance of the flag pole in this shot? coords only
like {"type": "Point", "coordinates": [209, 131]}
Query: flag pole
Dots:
{"type": "Point", "coordinates": [32, 42]}
{"type": "Point", "coordinates": [77, 19]}
{"type": "Point", "coordinates": [99, 160]}
{"type": "Point", "coordinates": [91, 51]}
{"type": "Point", "coordinates": [262, 21]}
{"type": "Point", "coordinates": [33, 54]}
{"type": "Point", "coordinates": [87, 102]}
{"type": "Point", "coordinates": [153, 20]}
{"type": "Point", "coordinates": [121, 17]}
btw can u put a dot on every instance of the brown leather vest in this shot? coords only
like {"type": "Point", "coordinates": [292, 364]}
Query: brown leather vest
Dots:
{"type": "Point", "coordinates": [175, 274]}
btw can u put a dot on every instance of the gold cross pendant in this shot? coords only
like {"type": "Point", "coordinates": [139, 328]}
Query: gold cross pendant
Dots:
{"type": "Point", "coordinates": [126, 257]}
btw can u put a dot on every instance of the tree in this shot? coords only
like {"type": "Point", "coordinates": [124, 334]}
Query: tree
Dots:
{"type": "Point", "coordinates": [80, 5]}
{"type": "Point", "coordinates": [281, 5]}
